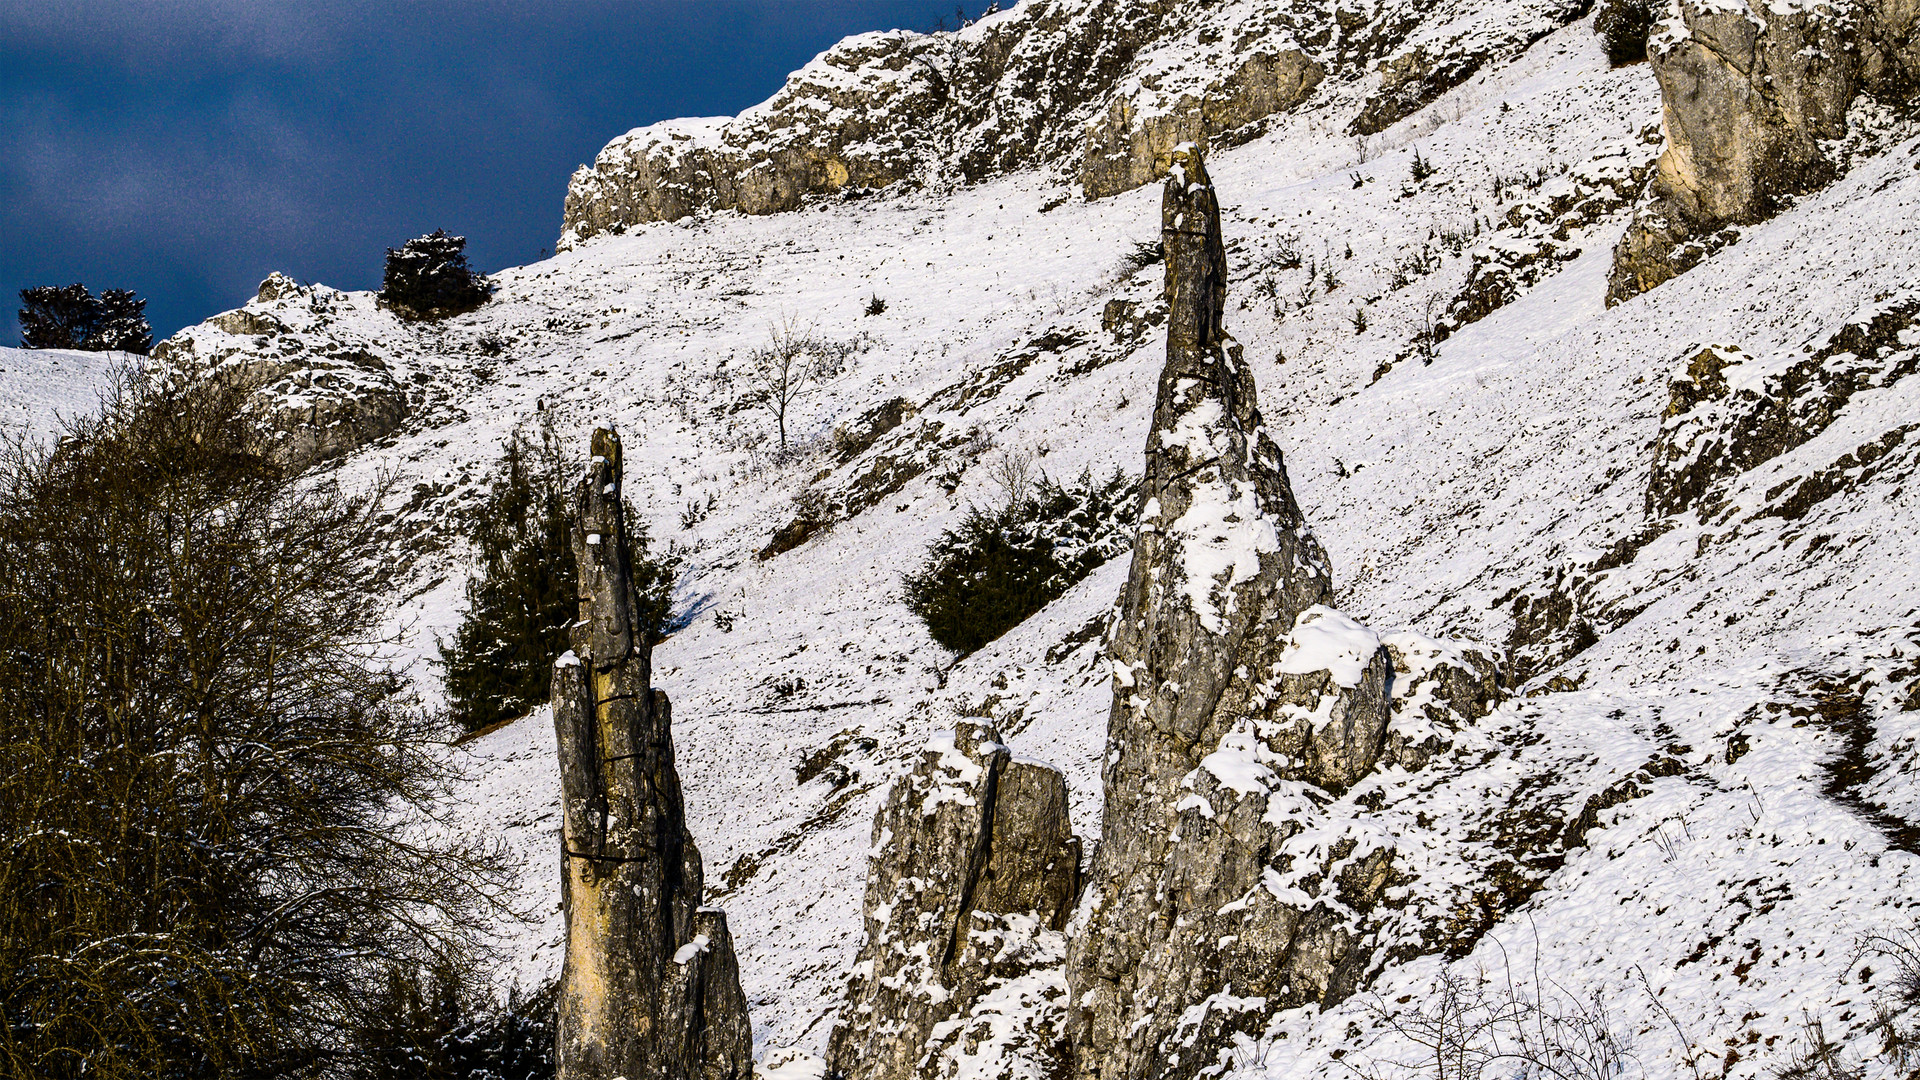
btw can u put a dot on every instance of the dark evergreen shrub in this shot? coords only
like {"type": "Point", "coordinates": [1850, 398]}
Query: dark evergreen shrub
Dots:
{"type": "Point", "coordinates": [434, 1027]}
{"type": "Point", "coordinates": [71, 317]}
{"type": "Point", "coordinates": [999, 567]}
{"type": "Point", "coordinates": [1625, 26]}
{"type": "Point", "coordinates": [500, 662]}
{"type": "Point", "coordinates": [428, 278]}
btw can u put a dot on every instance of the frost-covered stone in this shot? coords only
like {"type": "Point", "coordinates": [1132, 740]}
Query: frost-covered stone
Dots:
{"type": "Point", "coordinates": [1438, 687]}
{"type": "Point", "coordinates": [1751, 90]}
{"type": "Point", "coordinates": [315, 366]}
{"type": "Point", "coordinates": [1241, 704]}
{"type": "Point", "coordinates": [649, 987]}
{"type": "Point", "coordinates": [972, 873]}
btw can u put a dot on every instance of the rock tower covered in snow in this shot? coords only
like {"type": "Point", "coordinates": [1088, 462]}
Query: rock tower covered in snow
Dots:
{"type": "Point", "coordinates": [974, 869]}
{"type": "Point", "coordinates": [649, 988]}
{"type": "Point", "coordinates": [1238, 698]}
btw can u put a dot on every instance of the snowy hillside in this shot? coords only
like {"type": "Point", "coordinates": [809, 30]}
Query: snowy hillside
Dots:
{"type": "Point", "coordinates": [44, 384]}
{"type": "Point", "coordinates": [1697, 800]}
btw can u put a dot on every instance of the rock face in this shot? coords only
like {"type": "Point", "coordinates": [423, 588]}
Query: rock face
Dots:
{"type": "Point", "coordinates": [974, 869]}
{"type": "Point", "coordinates": [315, 368]}
{"type": "Point", "coordinates": [1239, 700]}
{"type": "Point", "coordinates": [1750, 90]}
{"type": "Point", "coordinates": [1131, 142]}
{"type": "Point", "coordinates": [649, 987]}
{"type": "Point", "coordinates": [1098, 90]}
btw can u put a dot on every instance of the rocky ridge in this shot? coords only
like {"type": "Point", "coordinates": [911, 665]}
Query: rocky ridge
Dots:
{"type": "Point", "coordinates": [1098, 91]}
{"type": "Point", "coordinates": [1505, 485]}
{"type": "Point", "coordinates": [318, 380]}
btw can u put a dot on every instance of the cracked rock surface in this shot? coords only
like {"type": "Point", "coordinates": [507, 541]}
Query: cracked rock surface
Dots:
{"type": "Point", "coordinates": [649, 987]}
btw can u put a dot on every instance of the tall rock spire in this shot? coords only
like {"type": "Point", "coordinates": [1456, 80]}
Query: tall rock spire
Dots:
{"type": "Point", "coordinates": [649, 990]}
{"type": "Point", "coordinates": [1233, 689]}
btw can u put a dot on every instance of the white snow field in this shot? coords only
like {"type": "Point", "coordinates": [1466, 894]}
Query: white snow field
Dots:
{"type": "Point", "coordinates": [41, 386]}
{"type": "Point", "coordinates": [1708, 918]}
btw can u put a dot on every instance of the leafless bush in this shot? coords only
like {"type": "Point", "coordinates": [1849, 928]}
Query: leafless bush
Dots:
{"type": "Point", "coordinates": [793, 363]}
{"type": "Point", "coordinates": [1481, 1028]}
{"type": "Point", "coordinates": [1814, 1057]}
{"type": "Point", "coordinates": [1011, 470]}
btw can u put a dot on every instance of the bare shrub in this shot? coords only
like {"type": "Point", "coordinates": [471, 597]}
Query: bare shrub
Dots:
{"type": "Point", "coordinates": [1481, 1028]}
{"type": "Point", "coordinates": [793, 363]}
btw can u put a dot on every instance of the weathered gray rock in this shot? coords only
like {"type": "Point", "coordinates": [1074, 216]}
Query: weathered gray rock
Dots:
{"type": "Point", "coordinates": [973, 870]}
{"type": "Point", "coordinates": [649, 986]}
{"type": "Point", "coordinates": [1730, 411]}
{"type": "Point", "coordinates": [1749, 92]}
{"type": "Point", "coordinates": [1240, 704]}
{"type": "Point", "coordinates": [313, 367]}
{"type": "Point", "coordinates": [1131, 141]}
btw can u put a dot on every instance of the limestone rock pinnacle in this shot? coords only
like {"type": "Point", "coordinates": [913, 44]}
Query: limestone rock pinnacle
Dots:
{"type": "Point", "coordinates": [649, 987]}
{"type": "Point", "coordinates": [1236, 691]}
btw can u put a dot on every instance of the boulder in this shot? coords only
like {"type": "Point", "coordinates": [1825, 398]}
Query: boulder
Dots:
{"type": "Point", "coordinates": [1750, 90]}
{"type": "Point", "coordinates": [973, 870]}
{"type": "Point", "coordinates": [1242, 704]}
{"type": "Point", "coordinates": [649, 986]}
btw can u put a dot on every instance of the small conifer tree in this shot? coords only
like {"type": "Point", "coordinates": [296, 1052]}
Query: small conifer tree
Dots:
{"type": "Point", "coordinates": [499, 663]}
{"type": "Point", "coordinates": [987, 576]}
{"type": "Point", "coordinates": [71, 317]}
{"type": "Point", "coordinates": [428, 278]}
{"type": "Point", "coordinates": [1625, 26]}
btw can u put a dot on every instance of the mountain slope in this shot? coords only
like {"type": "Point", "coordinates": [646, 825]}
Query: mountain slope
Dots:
{"type": "Point", "coordinates": [1697, 800]}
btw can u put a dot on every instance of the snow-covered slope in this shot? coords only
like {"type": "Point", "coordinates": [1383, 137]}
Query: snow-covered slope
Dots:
{"type": "Point", "coordinates": [39, 386]}
{"type": "Point", "coordinates": [1654, 822]}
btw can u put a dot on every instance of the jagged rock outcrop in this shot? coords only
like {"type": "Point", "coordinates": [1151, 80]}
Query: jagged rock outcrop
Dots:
{"type": "Point", "coordinates": [649, 986]}
{"type": "Point", "coordinates": [974, 868]}
{"type": "Point", "coordinates": [1100, 90]}
{"type": "Point", "coordinates": [314, 365]}
{"type": "Point", "coordinates": [1240, 703]}
{"type": "Point", "coordinates": [1131, 142]}
{"type": "Point", "coordinates": [1731, 411]}
{"type": "Point", "coordinates": [1750, 91]}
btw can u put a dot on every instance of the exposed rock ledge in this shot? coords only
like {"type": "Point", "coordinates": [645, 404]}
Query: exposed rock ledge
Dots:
{"type": "Point", "coordinates": [1099, 90]}
{"type": "Point", "coordinates": [1751, 90]}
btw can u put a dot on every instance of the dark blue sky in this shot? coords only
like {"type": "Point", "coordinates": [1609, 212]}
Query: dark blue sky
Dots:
{"type": "Point", "coordinates": [183, 149]}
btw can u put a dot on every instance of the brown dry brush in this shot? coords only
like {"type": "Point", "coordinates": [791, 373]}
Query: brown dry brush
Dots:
{"type": "Point", "coordinates": [206, 766]}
